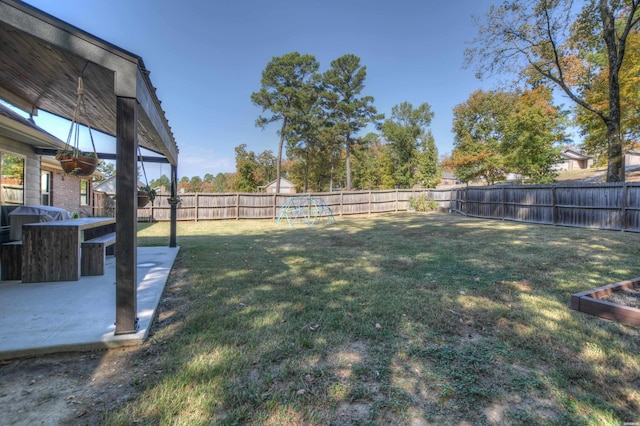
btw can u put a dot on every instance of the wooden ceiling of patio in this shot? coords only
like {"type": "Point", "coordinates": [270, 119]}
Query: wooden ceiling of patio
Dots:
{"type": "Point", "coordinates": [37, 73]}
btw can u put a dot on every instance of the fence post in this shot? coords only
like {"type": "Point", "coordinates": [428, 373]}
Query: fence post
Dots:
{"type": "Point", "coordinates": [397, 201]}
{"type": "Point", "coordinates": [623, 209]}
{"type": "Point", "coordinates": [466, 201]}
{"type": "Point", "coordinates": [275, 204]}
{"type": "Point", "coordinates": [237, 205]}
{"type": "Point", "coordinates": [369, 202]}
{"type": "Point", "coordinates": [341, 202]}
{"type": "Point", "coordinates": [554, 207]}
{"type": "Point", "coordinates": [503, 195]}
{"type": "Point", "coordinates": [197, 202]}
{"type": "Point", "coordinates": [451, 201]}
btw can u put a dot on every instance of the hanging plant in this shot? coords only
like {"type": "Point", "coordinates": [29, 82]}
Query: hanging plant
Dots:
{"type": "Point", "coordinates": [174, 201]}
{"type": "Point", "coordinates": [145, 194]}
{"type": "Point", "coordinates": [77, 163]}
{"type": "Point", "coordinates": [72, 160]}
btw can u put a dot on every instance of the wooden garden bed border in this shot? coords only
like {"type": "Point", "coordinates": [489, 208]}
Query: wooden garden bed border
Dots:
{"type": "Point", "coordinates": [590, 302]}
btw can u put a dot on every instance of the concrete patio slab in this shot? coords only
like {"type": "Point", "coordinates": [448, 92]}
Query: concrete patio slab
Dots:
{"type": "Point", "coordinates": [65, 316]}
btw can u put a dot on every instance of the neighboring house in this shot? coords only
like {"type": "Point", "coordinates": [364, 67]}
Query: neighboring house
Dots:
{"type": "Point", "coordinates": [448, 178]}
{"type": "Point", "coordinates": [631, 157]}
{"type": "Point", "coordinates": [27, 178]}
{"type": "Point", "coordinates": [108, 186]}
{"type": "Point", "coordinates": [104, 196]}
{"type": "Point", "coordinates": [286, 187]}
{"type": "Point", "coordinates": [574, 160]}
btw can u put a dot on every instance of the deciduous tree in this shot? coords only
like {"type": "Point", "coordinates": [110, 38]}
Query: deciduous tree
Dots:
{"type": "Point", "coordinates": [478, 131]}
{"type": "Point", "coordinates": [222, 182]}
{"type": "Point", "coordinates": [245, 170]}
{"type": "Point", "coordinates": [562, 43]}
{"type": "Point", "coordinates": [592, 128]}
{"type": "Point", "coordinates": [499, 132]}
{"type": "Point", "coordinates": [533, 132]}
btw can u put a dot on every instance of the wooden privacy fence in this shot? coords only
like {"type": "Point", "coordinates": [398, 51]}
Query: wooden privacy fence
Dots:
{"type": "Point", "coordinates": [613, 206]}
{"type": "Point", "coordinates": [205, 206]}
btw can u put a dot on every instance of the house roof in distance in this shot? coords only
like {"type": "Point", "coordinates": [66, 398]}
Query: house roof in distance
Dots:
{"type": "Point", "coordinates": [570, 154]}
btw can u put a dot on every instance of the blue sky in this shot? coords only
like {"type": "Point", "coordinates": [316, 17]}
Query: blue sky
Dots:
{"type": "Point", "coordinates": [206, 58]}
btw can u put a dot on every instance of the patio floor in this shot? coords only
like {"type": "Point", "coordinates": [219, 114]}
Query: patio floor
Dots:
{"type": "Point", "coordinates": [79, 315]}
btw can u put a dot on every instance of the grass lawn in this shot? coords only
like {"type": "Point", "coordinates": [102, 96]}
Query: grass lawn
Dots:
{"type": "Point", "coordinates": [390, 319]}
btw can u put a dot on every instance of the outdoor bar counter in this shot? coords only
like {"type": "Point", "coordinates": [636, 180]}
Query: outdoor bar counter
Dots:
{"type": "Point", "coordinates": [51, 250]}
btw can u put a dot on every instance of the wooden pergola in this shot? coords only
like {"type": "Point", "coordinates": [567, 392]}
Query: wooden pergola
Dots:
{"type": "Point", "coordinates": [42, 58]}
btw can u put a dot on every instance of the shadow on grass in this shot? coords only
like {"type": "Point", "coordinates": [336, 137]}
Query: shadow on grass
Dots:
{"type": "Point", "coordinates": [392, 319]}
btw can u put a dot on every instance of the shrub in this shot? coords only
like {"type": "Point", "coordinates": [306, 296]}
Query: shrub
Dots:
{"type": "Point", "coordinates": [422, 204]}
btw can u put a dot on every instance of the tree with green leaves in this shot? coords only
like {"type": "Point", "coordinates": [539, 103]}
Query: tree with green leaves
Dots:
{"type": "Point", "coordinates": [478, 131]}
{"type": "Point", "coordinates": [564, 44]}
{"type": "Point", "coordinates": [284, 80]}
{"type": "Point", "coordinates": [427, 171]}
{"type": "Point", "coordinates": [592, 128]}
{"type": "Point", "coordinates": [195, 183]}
{"type": "Point", "coordinates": [412, 144]}
{"type": "Point", "coordinates": [246, 166]}
{"type": "Point", "coordinates": [499, 132]}
{"type": "Point", "coordinates": [307, 144]}
{"type": "Point", "coordinates": [161, 181]}
{"type": "Point", "coordinates": [106, 169]}
{"type": "Point", "coordinates": [533, 131]}
{"type": "Point", "coordinates": [342, 84]}
{"type": "Point", "coordinates": [266, 170]}
{"type": "Point", "coordinates": [222, 183]}
{"type": "Point", "coordinates": [367, 162]}
{"type": "Point", "coordinates": [310, 159]}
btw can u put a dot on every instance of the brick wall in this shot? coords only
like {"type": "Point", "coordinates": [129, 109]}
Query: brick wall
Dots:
{"type": "Point", "coordinates": [65, 192]}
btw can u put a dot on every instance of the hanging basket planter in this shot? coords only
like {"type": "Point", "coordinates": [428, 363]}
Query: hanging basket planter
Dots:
{"type": "Point", "coordinates": [174, 201]}
{"type": "Point", "coordinates": [72, 160]}
{"type": "Point", "coordinates": [145, 194]}
{"type": "Point", "coordinates": [77, 164]}
{"type": "Point", "coordinates": [143, 199]}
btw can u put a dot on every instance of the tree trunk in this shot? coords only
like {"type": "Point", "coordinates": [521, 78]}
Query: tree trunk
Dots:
{"type": "Point", "coordinates": [333, 156]}
{"type": "Point", "coordinates": [614, 138]}
{"type": "Point", "coordinates": [306, 170]}
{"type": "Point", "coordinates": [348, 160]}
{"type": "Point", "coordinates": [282, 130]}
{"type": "Point", "coordinates": [615, 170]}
{"type": "Point", "coordinates": [614, 58]}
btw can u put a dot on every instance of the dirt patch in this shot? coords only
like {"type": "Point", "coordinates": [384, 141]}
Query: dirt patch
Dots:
{"type": "Point", "coordinates": [626, 297]}
{"type": "Point", "coordinates": [80, 388]}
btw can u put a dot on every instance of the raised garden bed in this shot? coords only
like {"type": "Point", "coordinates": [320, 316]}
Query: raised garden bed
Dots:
{"type": "Point", "coordinates": [613, 301]}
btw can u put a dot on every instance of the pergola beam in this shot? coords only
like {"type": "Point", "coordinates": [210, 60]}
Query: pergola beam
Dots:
{"type": "Point", "coordinates": [126, 216]}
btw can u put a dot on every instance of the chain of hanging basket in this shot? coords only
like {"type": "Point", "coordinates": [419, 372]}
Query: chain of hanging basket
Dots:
{"type": "Point", "coordinates": [72, 160]}
{"type": "Point", "coordinates": [145, 194]}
